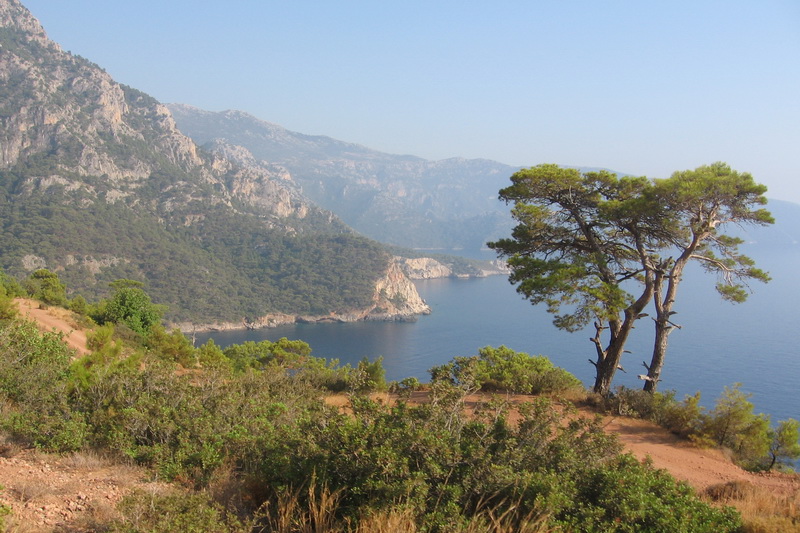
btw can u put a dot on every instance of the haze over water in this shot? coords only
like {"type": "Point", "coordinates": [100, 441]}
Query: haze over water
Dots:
{"type": "Point", "coordinates": [719, 344]}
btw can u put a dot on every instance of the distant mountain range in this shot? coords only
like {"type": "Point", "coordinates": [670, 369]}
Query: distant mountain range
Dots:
{"type": "Point", "coordinates": [396, 199]}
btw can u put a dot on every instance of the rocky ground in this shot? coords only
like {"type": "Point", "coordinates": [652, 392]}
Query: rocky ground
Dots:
{"type": "Point", "coordinates": [65, 494]}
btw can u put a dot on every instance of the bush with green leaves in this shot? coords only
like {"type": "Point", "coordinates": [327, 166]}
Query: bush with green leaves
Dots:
{"type": "Point", "coordinates": [144, 512]}
{"type": "Point", "coordinates": [34, 389]}
{"type": "Point", "coordinates": [5, 510]}
{"type": "Point", "coordinates": [785, 445]}
{"type": "Point", "coordinates": [733, 425]}
{"type": "Point", "coordinates": [503, 369]}
{"type": "Point", "coordinates": [443, 466]}
{"type": "Point", "coordinates": [46, 287]}
{"type": "Point", "coordinates": [283, 352]}
{"type": "Point", "coordinates": [683, 418]}
{"type": "Point", "coordinates": [131, 305]}
{"type": "Point", "coordinates": [7, 308]}
{"type": "Point", "coordinates": [10, 285]}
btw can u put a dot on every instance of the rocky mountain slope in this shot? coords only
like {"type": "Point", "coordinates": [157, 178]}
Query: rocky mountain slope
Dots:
{"type": "Point", "coordinates": [97, 183]}
{"type": "Point", "coordinates": [397, 199]}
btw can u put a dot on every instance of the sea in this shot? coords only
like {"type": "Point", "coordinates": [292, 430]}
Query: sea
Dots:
{"type": "Point", "coordinates": [719, 344]}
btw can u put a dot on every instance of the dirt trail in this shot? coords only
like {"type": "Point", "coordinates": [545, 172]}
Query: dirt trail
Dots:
{"type": "Point", "coordinates": [700, 467]}
{"type": "Point", "coordinates": [74, 493]}
{"type": "Point", "coordinates": [54, 318]}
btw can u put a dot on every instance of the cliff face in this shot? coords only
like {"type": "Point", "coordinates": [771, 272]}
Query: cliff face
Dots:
{"type": "Point", "coordinates": [397, 296]}
{"type": "Point", "coordinates": [98, 183]}
{"type": "Point", "coordinates": [424, 268]}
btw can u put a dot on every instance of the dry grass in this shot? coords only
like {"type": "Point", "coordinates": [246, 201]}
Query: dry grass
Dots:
{"type": "Point", "coordinates": [15, 526]}
{"type": "Point", "coordinates": [763, 511]}
{"type": "Point", "coordinates": [98, 518]}
{"type": "Point", "coordinates": [286, 513]}
{"type": "Point", "coordinates": [32, 489]}
{"type": "Point", "coordinates": [8, 447]}
{"type": "Point", "coordinates": [85, 461]}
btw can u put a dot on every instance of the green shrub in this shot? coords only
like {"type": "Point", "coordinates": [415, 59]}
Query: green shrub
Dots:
{"type": "Point", "coordinates": [8, 310]}
{"type": "Point", "coordinates": [733, 425]}
{"type": "Point", "coordinates": [682, 418]}
{"type": "Point", "coordinates": [131, 306]}
{"type": "Point", "coordinates": [5, 510]}
{"type": "Point", "coordinates": [405, 387]}
{"type": "Point", "coordinates": [785, 446]}
{"type": "Point", "coordinates": [45, 286]}
{"type": "Point", "coordinates": [79, 305]}
{"type": "Point", "coordinates": [503, 369]}
{"type": "Point", "coordinates": [641, 498]}
{"type": "Point", "coordinates": [172, 346]}
{"type": "Point", "coordinates": [283, 352]}
{"type": "Point", "coordinates": [34, 381]}
{"type": "Point", "coordinates": [210, 356]}
{"type": "Point", "coordinates": [168, 513]}
{"type": "Point", "coordinates": [369, 376]}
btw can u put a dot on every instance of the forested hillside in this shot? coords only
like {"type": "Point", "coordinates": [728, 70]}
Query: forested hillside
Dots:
{"type": "Point", "coordinates": [97, 183]}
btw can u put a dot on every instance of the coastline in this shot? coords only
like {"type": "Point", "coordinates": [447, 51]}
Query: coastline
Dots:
{"type": "Point", "coordinates": [274, 320]}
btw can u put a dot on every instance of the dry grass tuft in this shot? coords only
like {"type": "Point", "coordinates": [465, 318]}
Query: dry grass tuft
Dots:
{"type": "Point", "coordinates": [98, 518]}
{"type": "Point", "coordinates": [396, 521]}
{"type": "Point", "coordinates": [32, 489]}
{"type": "Point", "coordinates": [9, 448]}
{"type": "Point", "coordinates": [86, 461]}
{"type": "Point", "coordinates": [763, 511]}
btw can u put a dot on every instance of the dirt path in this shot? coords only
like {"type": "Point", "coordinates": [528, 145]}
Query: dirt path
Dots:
{"type": "Point", "coordinates": [700, 467]}
{"type": "Point", "coordinates": [54, 318]}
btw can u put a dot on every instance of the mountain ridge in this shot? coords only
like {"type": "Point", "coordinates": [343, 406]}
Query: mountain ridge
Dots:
{"type": "Point", "coordinates": [97, 183]}
{"type": "Point", "coordinates": [402, 200]}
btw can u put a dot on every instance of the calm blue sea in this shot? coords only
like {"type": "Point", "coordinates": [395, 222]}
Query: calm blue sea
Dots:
{"type": "Point", "coordinates": [754, 343]}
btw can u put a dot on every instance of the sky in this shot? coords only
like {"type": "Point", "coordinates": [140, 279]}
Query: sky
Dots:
{"type": "Point", "coordinates": [644, 88]}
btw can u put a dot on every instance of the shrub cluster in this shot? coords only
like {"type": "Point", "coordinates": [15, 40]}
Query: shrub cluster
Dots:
{"type": "Point", "coordinates": [503, 369]}
{"type": "Point", "coordinates": [248, 428]}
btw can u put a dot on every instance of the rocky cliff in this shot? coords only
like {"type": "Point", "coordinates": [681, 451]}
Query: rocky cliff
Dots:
{"type": "Point", "coordinates": [98, 183]}
{"type": "Point", "coordinates": [424, 268]}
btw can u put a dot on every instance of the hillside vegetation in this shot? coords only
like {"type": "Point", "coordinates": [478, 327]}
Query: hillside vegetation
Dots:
{"type": "Point", "coordinates": [248, 431]}
{"type": "Point", "coordinates": [97, 183]}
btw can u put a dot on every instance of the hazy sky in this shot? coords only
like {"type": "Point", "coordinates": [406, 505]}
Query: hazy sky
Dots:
{"type": "Point", "coordinates": [639, 87]}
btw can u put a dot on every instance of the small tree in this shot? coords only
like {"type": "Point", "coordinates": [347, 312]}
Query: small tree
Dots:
{"type": "Point", "coordinates": [733, 424]}
{"type": "Point", "coordinates": [45, 286]}
{"type": "Point", "coordinates": [785, 445]}
{"type": "Point", "coordinates": [131, 306]}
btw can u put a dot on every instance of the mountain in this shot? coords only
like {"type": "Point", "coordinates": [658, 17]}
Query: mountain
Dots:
{"type": "Point", "coordinates": [398, 199]}
{"type": "Point", "coordinates": [97, 183]}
